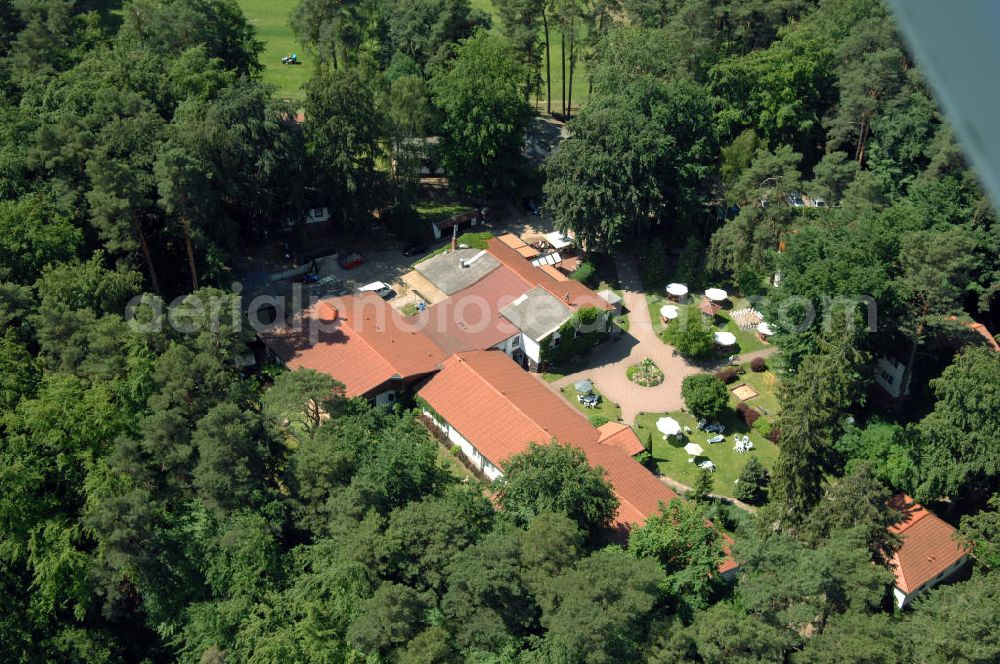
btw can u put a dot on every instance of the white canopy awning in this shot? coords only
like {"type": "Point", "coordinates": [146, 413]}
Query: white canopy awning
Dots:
{"type": "Point", "coordinates": [669, 311]}
{"type": "Point", "coordinates": [558, 240]}
{"type": "Point", "coordinates": [550, 259]}
{"type": "Point", "coordinates": [677, 290]}
{"type": "Point", "coordinates": [716, 294]}
{"type": "Point", "coordinates": [668, 426]}
{"type": "Point", "coordinates": [694, 449]}
{"type": "Point", "coordinates": [725, 338]}
{"type": "Point", "coordinates": [764, 329]}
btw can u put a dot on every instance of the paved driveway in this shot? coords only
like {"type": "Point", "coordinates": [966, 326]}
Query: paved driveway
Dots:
{"type": "Point", "coordinates": [609, 361]}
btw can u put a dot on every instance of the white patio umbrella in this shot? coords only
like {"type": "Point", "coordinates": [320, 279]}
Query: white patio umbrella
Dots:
{"type": "Point", "coordinates": [764, 329]}
{"type": "Point", "coordinates": [677, 290]}
{"type": "Point", "coordinates": [694, 449]}
{"type": "Point", "coordinates": [669, 311]}
{"type": "Point", "coordinates": [725, 338]}
{"type": "Point", "coordinates": [583, 386]}
{"type": "Point", "coordinates": [716, 294]}
{"type": "Point", "coordinates": [668, 426]}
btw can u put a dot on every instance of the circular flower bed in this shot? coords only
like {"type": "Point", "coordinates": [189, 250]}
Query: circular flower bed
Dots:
{"type": "Point", "coordinates": [645, 373]}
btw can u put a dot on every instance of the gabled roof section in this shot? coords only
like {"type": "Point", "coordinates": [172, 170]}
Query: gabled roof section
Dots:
{"type": "Point", "coordinates": [357, 339]}
{"type": "Point", "coordinates": [621, 436]}
{"type": "Point", "coordinates": [573, 293]}
{"type": "Point", "coordinates": [639, 491]}
{"type": "Point", "coordinates": [470, 319]}
{"type": "Point", "coordinates": [501, 409]}
{"type": "Point", "coordinates": [537, 313]}
{"type": "Point", "coordinates": [928, 545]}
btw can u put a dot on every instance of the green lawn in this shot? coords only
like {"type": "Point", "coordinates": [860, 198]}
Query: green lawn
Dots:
{"type": "Point", "coordinates": [610, 410]}
{"type": "Point", "coordinates": [654, 301]}
{"type": "Point", "coordinates": [451, 462]}
{"type": "Point", "coordinates": [270, 17]}
{"type": "Point", "coordinates": [672, 460]}
{"type": "Point", "coordinates": [746, 340]}
{"type": "Point", "coordinates": [473, 240]}
{"type": "Point", "coordinates": [437, 211]}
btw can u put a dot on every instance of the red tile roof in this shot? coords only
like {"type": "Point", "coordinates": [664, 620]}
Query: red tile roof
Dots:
{"type": "Point", "coordinates": [928, 545]}
{"type": "Point", "coordinates": [639, 491]}
{"type": "Point", "coordinates": [572, 292]}
{"type": "Point", "coordinates": [553, 272]}
{"type": "Point", "coordinates": [359, 340]}
{"type": "Point", "coordinates": [621, 436]}
{"type": "Point", "coordinates": [500, 409]}
{"type": "Point", "coordinates": [982, 331]}
{"type": "Point", "coordinates": [470, 319]}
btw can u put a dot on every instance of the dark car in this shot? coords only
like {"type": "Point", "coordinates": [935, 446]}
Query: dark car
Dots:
{"type": "Point", "coordinates": [416, 249]}
{"type": "Point", "coordinates": [351, 260]}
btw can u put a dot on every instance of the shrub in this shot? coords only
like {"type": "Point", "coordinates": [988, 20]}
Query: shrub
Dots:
{"type": "Point", "coordinates": [690, 334]}
{"type": "Point", "coordinates": [643, 457]}
{"type": "Point", "coordinates": [584, 330]}
{"type": "Point", "coordinates": [762, 426]}
{"type": "Point", "coordinates": [758, 364]}
{"type": "Point", "coordinates": [598, 420]}
{"type": "Point", "coordinates": [775, 434]}
{"type": "Point", "coordinates": [583, 272]}
{"type": "Point", "coordinates": [727, 374]}
{"type": "Point", "coordinates": [747, 414]}
{"type": "Point", "coordinates": [702, 486]}
{"type": "Point", "coordinates": [704, 395]}
{"type": "Point", "coordinates": [752, 487]}
{"type": "Point", "coordinates": [456, 450]}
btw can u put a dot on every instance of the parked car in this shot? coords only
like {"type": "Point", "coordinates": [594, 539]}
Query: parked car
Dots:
{"type": "Point", "coordinates": [380, 288]}
{"type": "Point", "coordinates": [416, 249]}
{"type": "Point", "coordinates": [795, 199]}
{"type": "Point", "coordinates": [351, 260]}
{"type": "Point", "coordinates": [819, 202]}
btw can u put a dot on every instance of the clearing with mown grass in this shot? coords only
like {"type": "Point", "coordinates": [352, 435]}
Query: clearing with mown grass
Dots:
{"type": "Point", "coordinates": [270, 17]}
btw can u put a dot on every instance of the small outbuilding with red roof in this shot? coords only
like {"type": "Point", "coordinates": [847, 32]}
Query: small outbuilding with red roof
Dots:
{"type": "Point", "coordinates": [928, 554]}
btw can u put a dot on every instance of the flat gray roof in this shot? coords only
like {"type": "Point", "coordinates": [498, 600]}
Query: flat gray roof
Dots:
{"type": "Point", "coordinates": [445, 271]}
{"type": "Point", "coordinates": [537, 313]}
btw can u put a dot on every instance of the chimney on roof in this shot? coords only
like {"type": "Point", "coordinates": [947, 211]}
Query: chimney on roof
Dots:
{"type": "Point", "coordinates": [567, 296]}
{"type": "Point", "coordinates": [454, 237]}
{"type": "Point", "coordinates": [326, 312]}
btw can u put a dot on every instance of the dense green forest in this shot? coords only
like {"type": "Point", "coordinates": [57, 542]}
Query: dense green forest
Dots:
{"type": "Point", "coordinates": [158, 503]}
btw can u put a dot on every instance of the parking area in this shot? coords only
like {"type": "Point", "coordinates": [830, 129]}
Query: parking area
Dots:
{"type": "Point", "coordinates": [384, 260]}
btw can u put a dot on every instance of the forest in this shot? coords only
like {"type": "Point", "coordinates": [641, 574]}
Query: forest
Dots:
{"type": "Point", "coordinates": [161, 503]}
